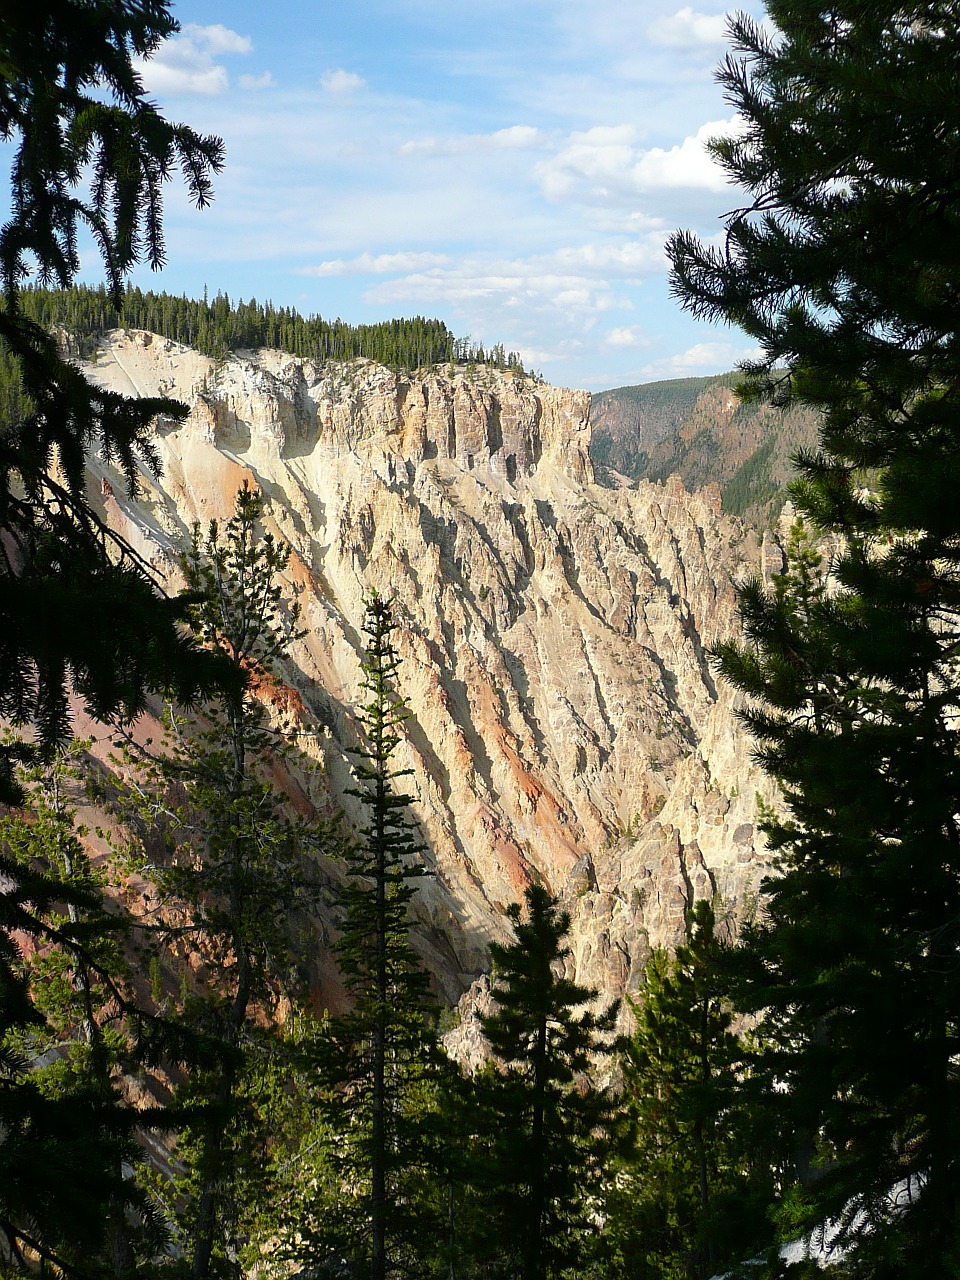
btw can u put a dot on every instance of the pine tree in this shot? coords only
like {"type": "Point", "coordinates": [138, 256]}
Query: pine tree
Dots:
{"type": "Point", "coordinates": [551, 1130]}
{"type": "Point", "coordinates": [79, 610]}
{"type": "Point", "coordinates": [691, 1193]}
{"type": "Point", "coordinates": [230, 869]}
{"type": "Point", "coordinates": [843, 268]}
{"type": "Point", "coordinates": [377, 1064]}
{"type": "Point", "coordinates": [71, 1129]}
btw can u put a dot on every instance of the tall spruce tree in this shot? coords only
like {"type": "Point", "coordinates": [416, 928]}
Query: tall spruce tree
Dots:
{"type": "Point", "coordinates": [377, 1064]}
{"type": "Point", "coordinates": [230, 868]}
{"type": "Point", "coordinates": [78, 608]}
{"type": "Point", "coordinates": [552, 1130]}
{"type": "Point", "coordinates": [690, 1195]}
{"type": "Point", "coordinates": [844, 267]}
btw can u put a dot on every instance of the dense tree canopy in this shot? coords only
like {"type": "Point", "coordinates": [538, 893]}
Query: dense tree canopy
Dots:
{"type": "Point", "coordinates": [77, 608]}
{"type": "Point", "coordinates": [845, 267]}
{"type": "Point", "coordinates": [216, 326]}
{"type": "Point", "coordinates": [552, 1131]}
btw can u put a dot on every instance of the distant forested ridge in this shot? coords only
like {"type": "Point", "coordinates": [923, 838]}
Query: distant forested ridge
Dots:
{"type": "Point", "coordinates": [218, 326]}
{"type": "Point", "coordinates": [699, 428]}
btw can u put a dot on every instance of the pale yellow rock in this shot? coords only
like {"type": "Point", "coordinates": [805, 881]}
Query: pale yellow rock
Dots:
{"type": "Point", "coordinates": [565, 722]}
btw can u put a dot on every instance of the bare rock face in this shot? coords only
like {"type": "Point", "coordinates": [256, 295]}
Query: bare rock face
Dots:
{"type": "Point", "coordinates": [566, 725]}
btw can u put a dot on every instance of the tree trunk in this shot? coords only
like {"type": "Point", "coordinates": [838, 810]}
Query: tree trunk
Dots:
{"type": "Point", "coordinates": [534, 1268]}
{"type": "Point", "coordinates": [378, 1155]}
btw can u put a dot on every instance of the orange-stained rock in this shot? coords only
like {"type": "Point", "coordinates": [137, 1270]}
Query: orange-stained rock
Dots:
{"type": "Point", "coordinates": [554, 633]}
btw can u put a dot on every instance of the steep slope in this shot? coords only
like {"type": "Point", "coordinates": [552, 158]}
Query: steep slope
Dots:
{"type": "Point", "coordinates": [627, 423]}
{"type": "Point", "coordinates": [565, 723]}
{"type": "Point", "coordinates": [698, 428]}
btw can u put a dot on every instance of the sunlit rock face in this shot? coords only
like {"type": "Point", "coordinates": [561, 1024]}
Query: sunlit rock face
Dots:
{"type": "Point", "coordinates": [565, 722]}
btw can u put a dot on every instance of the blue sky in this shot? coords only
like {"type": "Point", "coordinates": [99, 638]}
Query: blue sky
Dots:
{"type": "Point", "coordinates": [512, 168]}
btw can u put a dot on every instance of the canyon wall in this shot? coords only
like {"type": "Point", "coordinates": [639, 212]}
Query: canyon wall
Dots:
{"type": "Point", "coordinates": [566, 725]}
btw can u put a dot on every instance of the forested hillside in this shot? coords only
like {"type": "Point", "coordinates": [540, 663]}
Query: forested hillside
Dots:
{"type": "Point", "coordinates": [220, 326]}
{"type": "Point", "coordinates": [699, 428]}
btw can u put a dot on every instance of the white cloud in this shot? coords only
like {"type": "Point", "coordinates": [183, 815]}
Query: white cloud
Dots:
{"type": "Point", "coordinates": [375, 264]}
{"type": "Point", "coordinates": [340, 82]}
{"type": "Point", "coordinates": [629, 336]}
{"type": "Point", "coordinates": [515, 138]}
{"type": "Point", "coordinates": [640, 257]}
{"type": "Point", "coordinates": [264, 81]}
{"type": "Point", "coordinates": [218, 39]}
{"type": "Point", "coordinates": [185, 63]}
{"type": "Point", "coordinates": [499, 288]}
{"type": "Point", "coordinates": [497, 297]}
{"type": "Point", "coordinates": [686, 165]}
{"type": "Point", "coordinates": [703, 358]}
{"type": "Point", "coordinates": [635, 222]}
{"type": "Point", "coordinates": [580, 282]}
{"type": "Point", "coordinates": [599, 155]}
{"type": "Point", "coordinates": [687, 29]}
{"type": "Point", "coordinates": [605, 163]}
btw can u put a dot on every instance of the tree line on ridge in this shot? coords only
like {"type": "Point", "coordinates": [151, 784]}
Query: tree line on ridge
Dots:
{"type": "Point", "coordinates": [216, 327]}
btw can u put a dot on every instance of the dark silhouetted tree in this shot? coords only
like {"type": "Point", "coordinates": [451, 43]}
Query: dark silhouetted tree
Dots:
{"type": "Point", "coordinates": [78, 608]}
{"type": "Point", "coordinates": [377, 1065]}
{"type": "Point", "coordinates": [79, 611]}
{"type": "Point", "coordinates": [843, 266]}
{"type": "Point", "coordinates": [550, 1130]}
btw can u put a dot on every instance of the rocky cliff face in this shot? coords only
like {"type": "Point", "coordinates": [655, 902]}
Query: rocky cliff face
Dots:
{"type": "Point", "coordinates": [699, 429]}
{"type": "Point", "coordinates": [565, 722]}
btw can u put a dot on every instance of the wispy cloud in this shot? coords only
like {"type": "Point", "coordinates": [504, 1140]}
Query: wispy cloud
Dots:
{"type": "Point", "coordinates": [217, 38]}
{"type": "Point", "coordinates": [508, 289]}
{"type": "Point", "coordinates": [627, 336]}
{"type": "Point", "coordinates": [255, 83]}
{"type": "Point", "coordinates": [641, 257]}
{"type": "Point", "coordinates": [375, 264]}
{"type": "Point", "coordinates": [186, 63]}
{"type": "Point", "coordinates": [687, 29]}
{"type": "Point", "coordinates": [703, 357]}
{"type": "Point", "coordinates": [340, 82]}
{"type": "Point", "coordinates": [517, 137]}
{"type": "Point", "coordinates": [577, 281]}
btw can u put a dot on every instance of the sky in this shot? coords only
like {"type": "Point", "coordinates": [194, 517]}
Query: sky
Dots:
{"type": "Point", "coordinates": [511, 168]}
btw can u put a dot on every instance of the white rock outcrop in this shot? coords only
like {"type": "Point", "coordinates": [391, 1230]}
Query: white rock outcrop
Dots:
{"type": "Point", "coordinates": [565, 723]}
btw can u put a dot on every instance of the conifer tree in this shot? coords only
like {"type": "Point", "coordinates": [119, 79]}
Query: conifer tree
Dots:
{"type": "Point", "coordinates": [551, 1130]}
{"type": "Point", "coordinates": [70, 1128]}
{"type": "Point", "coordinates": [78, 609]}
{"type": "Point", "coordinates": [230, 868]}
{"type": "Point", "coordinates": [691, 1193]}
{"type": "Point", "coordinates": [843, 267]}
{"type": "Point", "coordinates": [377, 1064]}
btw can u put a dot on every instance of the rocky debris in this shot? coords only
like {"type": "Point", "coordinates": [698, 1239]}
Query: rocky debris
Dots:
{"type": "Point", "coordinates": [465, 1041]}
{"type": "Point", "coordinates": [566, 724]}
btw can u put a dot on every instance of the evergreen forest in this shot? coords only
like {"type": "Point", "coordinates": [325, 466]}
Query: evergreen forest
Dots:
{"type": "Point", "coordinates": [217, 327]}
{"type": "Point", "coordinates": [785, 1101]}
